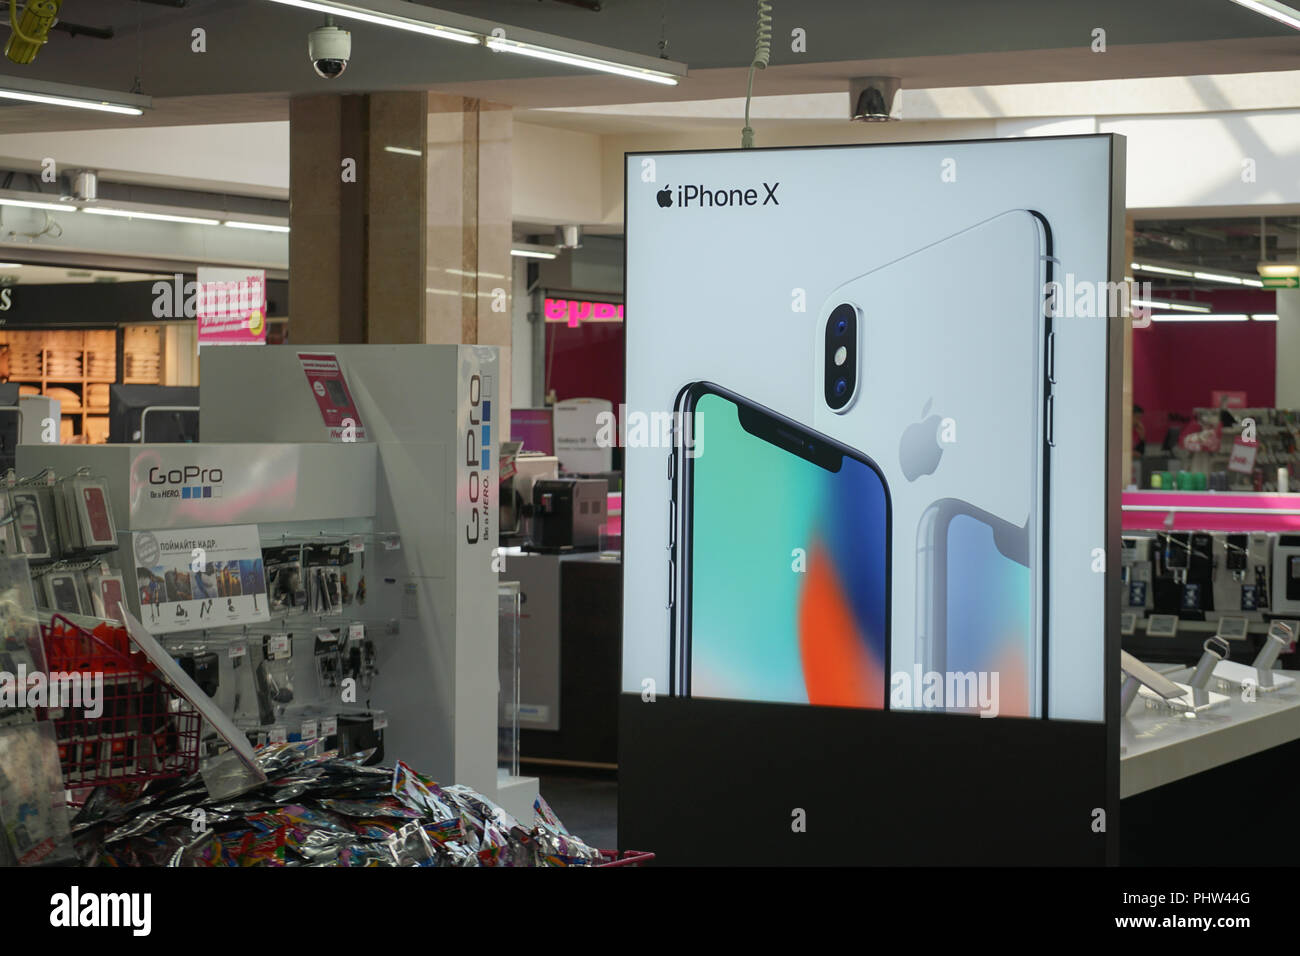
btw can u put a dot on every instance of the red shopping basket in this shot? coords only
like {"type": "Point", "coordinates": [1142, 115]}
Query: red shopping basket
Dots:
{"type": "Point", "coordinates": [131, 727]}
{"type": "Point", "coordinates": [626, 858]}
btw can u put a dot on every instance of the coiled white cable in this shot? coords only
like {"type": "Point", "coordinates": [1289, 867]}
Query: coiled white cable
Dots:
{"type": "Point", "coordinates": [762, 54]}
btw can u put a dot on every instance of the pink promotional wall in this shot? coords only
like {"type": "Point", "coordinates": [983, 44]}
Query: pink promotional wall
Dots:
{"type": "Point", "coordinates": [1176, 365]}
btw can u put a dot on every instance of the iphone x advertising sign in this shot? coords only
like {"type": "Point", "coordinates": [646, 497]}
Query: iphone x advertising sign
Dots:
{"type": "Point", "coordinates": [896, 491]}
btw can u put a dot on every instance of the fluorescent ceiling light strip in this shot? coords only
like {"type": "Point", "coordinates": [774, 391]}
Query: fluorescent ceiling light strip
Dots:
{"type": "Point", "coordinates": [1264, 318]}
{"type": "Point", "coordinates": [44, 99]}
{"type": "Point", "coordinates": [532, 254]}
{"type": "Point", "coordinates": [1212, 317]}
{"type": "Point", "coordinates": [355, 12]}
{"type": "Point", "coordinates": [257, 226]}
{"type": "Point", "coordinates": [404, 150]}
{"type": "Point", "coordinates": [1218, 277]}
{"type": "Point", "coordinates": [25, 204]}
{"type": "Point", "coordinates": [1275, 269]}
{"type": "Point", "coordinates": [1162, 270]}
{"type": "Point", "coordinates": [1177, 306]}
{"type": "Point", "coordinates": [500, 45]}
{"type": "Point", "coordinates": [1274, 11]}
{"type": "Point", "coordinates": [155, 216]}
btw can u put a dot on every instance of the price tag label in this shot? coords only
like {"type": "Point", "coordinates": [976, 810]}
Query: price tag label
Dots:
{"type": "Point", "coordinates": [329, 726]}
{"type": "Point", "coordinates": [310, 730]}
{"type": "Point", "coordinates": [380, 721]}
{"type": "Point", "coordinates": [49, 479]}
{"type": "Point", "coordinates": [279, 647]}
{"type": "Point", "coordinates": [356, 544]}
{"type": "Point", "coordinates": [279, 735]}
{"type": "Point", "coordinates": [326, 636]}
{"type": "Point", "coordinates": [238, 649]}
{"type": "Point", "coordinates": [356, 632]}
{"type": "Point", "coordinates": [393, 543]}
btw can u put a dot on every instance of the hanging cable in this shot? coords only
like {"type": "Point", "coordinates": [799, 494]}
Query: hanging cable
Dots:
{"type": "Point", "coordinates": [762, 53]}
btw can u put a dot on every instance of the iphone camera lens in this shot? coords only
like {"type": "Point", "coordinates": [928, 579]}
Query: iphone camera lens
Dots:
{"type": "Point", "coordinates": [840, 358]}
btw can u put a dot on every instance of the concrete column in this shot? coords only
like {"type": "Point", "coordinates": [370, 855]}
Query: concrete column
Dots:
{"type": "Point", "coordinates": [417, 248]}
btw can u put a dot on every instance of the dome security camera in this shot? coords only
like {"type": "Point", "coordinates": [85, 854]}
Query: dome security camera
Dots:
{"type": "Point", "coordinates": [330, 48]}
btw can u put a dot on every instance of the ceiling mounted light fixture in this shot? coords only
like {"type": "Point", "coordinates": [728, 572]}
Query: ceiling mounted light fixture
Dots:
{"type": "Point", "coordinates": [29, 204]}
{"type": "Point", "coordinates": [1160, 270]}
{"type": "Point", "coordinates": [255, 226]}
{"type": "Point", "coordinates": [537, 52]}
{"type": "Point", "coordinates": [531, 250]}
{"type": "Point", "coordinates": [375, 13]}
{"type": "Point", "coordinates": [1274, 11]}
{"type": "Point", "coordinates": [152, 216]}
{"type": "Point", "coordinates": [73, 97]}
{"type": "Point", "coordinates": [1279, 270]}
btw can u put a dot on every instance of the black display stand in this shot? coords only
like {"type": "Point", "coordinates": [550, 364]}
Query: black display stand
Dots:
{"type": "Point", "coordinates": [717, 782]}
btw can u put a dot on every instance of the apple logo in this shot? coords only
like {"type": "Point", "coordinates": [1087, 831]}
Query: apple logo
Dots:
{"type": "Point", "coordinates": [919, 451]}
{"type": "Point", "coordinates": [665, 196]}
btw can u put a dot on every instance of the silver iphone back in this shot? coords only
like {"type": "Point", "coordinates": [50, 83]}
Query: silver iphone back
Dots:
{"type": "Point", "coordinates": [951, 396]}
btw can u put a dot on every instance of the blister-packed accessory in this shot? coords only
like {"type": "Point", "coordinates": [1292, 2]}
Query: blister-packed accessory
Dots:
{"type": "Point", "coordinates": [275, 676]}
{"type": "Point", "coordinates": [285, 586]}
{"type": "Point", "coordinates": [31, 506]}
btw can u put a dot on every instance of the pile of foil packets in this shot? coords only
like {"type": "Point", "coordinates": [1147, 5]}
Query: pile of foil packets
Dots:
{"type": "Point", "coordinates": [318, 809]}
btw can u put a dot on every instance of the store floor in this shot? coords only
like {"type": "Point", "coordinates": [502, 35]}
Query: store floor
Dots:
{"type": "Point", "coordinates": [587, 805]}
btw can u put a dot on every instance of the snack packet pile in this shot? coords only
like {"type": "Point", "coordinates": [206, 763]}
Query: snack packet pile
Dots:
{"type": "Point", "coordinates": [319, 809]}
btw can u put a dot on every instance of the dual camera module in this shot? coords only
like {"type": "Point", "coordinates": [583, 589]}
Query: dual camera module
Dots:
{"type": "Point", "coordinates": [840, 356]}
